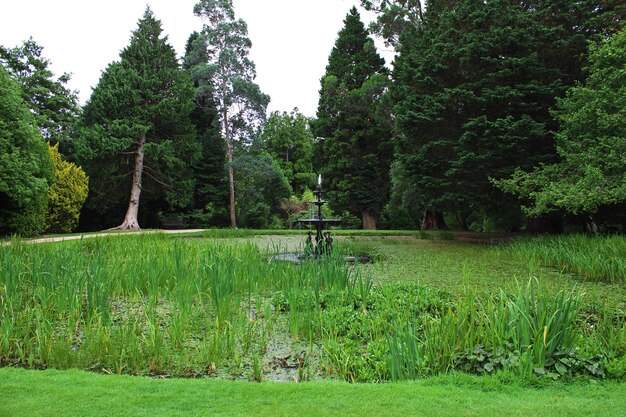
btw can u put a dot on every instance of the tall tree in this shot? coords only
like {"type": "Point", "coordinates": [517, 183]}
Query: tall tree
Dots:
{"type": "Point", "coordinates": [139, 110]}
{"type": "Point", "coordinates": [54, 105]}
{"type": "Point", "coordinates": [219, 61]}
{"type": "Point", "coordinates": [289, 140]}
{"type": "Point", "coordinates": [474, 85]}
{"type": "Point", "coordinates": [210, 172]}
{"type": "Point", "coordinates": [26, 170]}
{"type": "Point", "coordinates": [354, 122]}
{"type": "Point", "coordinates": [591, 142]}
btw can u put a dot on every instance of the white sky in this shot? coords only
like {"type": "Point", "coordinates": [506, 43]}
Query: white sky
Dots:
{"type": "Point", "coordinates": [291, 39]}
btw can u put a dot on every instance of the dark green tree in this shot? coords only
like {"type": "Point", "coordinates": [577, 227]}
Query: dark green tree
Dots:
{"type": "Point", "coordinates": [54, 105]}
{"type": "Point", "coordinates": [591, 142]}
{"type": "Point", "coordinates": [210, 173]}
{"type": "Point", "coordinates": [26, 170]}
{"type": "Point", "coordinates": [137, 133]}
{"type": "Point", "coordinates": [354, 124]}
{"type": "Point", "coordinates": [219, 62]}
{"type": "Point", "coordinates": [287, 137]}
{"type": "Point", "coordinates": [474, 84]}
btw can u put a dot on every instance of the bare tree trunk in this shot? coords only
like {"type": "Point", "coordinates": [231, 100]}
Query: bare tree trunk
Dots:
{"type": "Point", "coordinates": [231, 174]}
{"type": "Point", "coordinates": [369, 222]}
{"type": "Point", "coordinates": [130, 220]}
{"type": "Point", "coordinates": [433, 220]}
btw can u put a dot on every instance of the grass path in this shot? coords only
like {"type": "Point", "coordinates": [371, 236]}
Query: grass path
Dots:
{"type": "Point", "coordinates": [78, 393]}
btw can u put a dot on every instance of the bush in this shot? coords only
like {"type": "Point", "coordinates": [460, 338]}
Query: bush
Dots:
{"type": "Point", "coordinates": [66, 195]}
{"type": "Point", "coordinates": [25, 167]}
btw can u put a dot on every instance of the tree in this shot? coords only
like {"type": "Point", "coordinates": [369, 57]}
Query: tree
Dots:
{"type": "Point", "coordinates": [262, 186]}
{"type": "Point", "coordinates": [394, 17]}
{"type": "Point", "coordinates": [210, 173]}
{"type": "Point", "coordinates": [591, 142]}
{"type": "Point", "coordinates": [66, 195]}
{"type": "Point", "coordinates": [54, 105]}
{"type": "Point", "coordinates": [289, 140]}
{"type": "Point", "coordinates": [140, 109]}
{"type": "Point", "coordinates": [354, 122]}
{"type": "Point", "coordinates": [219, 62]}
{"type": "Point", "coordinates": [25, 167]}
{"type": "Point", "coordinates": [474, 84]}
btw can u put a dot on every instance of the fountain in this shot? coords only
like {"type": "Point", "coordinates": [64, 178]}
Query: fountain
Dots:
{"type": "Point", "coordinates": [323, 241]}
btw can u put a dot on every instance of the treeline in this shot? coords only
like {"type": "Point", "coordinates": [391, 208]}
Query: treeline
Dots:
{"type": "Point", "coordinates": [497, 115]}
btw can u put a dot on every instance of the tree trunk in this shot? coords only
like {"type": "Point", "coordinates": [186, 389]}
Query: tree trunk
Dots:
{"type": "Point", "coordinates": [231, 174]}
{"type": "Point", "coordinates": [130, 220]}
{"type": "Point", "coordinates": [369, 222]}
{"type": "Point", "coordinates": [433, 220]}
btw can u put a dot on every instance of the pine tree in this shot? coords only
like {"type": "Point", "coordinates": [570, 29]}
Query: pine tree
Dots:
{"type": "Point", "coordinates": [353, 121]}
{"type": "Point", "coordinates": [140, 109]}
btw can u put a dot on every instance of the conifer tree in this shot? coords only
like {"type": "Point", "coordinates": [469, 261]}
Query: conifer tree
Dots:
{"type": "Point", "coordinates": [137, 127]}
{"type": "Point", "coordinates": [354, 122]}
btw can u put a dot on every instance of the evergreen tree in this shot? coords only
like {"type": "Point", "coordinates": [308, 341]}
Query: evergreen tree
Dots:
{"type": "Point", "coordinates": [211, 190]}
{"type": "Point", "coordinates": [353, 121]}
{"type": "Point", "coordinates": [140, 109]}
{"type": "Point", "coordinates": [219, 62]}
{"type": "Point", "coordinates": [25, 167]}
{"type": "Point", "coordinates": [591, 142]}
{"type": "Point", "coordinates": [54, 105]}
{"type": "Point", "coordinates": [66, 194]}
{"type": "Point", "coordinates": [473, 87]}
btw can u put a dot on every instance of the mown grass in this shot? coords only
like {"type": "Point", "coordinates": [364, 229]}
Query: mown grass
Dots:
{"type": "Point", "coordinates": [77, 393]}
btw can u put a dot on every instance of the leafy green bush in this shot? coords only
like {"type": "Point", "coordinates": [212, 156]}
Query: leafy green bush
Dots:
{"type": "Point", "coordinates": [25, 167]}
{"type": "Point", "coordinates": [66, 195]}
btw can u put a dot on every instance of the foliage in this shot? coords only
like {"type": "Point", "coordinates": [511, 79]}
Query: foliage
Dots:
{"type": "Point", "coordinates": [591, 142]}
{"type": "Point", "coordinates": [194, 307]}
{"type": "Point", "coordinates": [211, 188]}
{"type": "Point", "coordinates": [25, 167]}
{"type": "Point", "coordinates": [352, 119]}
{"type": "Point", "coordinates": [262, 186]}
{"type": "Point", "coordinates": [288, 138]}
{"type": "Point", "coordinates": [66, 195]}
{"type": "Point", "coordinates": [473, 87]}
{"type": "Point", "coordinates": [145, 93]}
{"type": "Point", "coordinates": [598, 258]}
{"type": "Point", "coordinates": [394, 17]}
{"type": "Point", "coordinates": [218, 61]}
{"type": "Point", "coordinates": [53, 104]}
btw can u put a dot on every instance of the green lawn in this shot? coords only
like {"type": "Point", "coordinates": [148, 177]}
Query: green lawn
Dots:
{"type": "Point", "coordinates": [77, 393]}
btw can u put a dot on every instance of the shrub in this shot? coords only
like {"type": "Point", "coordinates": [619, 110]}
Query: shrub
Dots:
{"type": "Point", "coordinates": [66, 195]}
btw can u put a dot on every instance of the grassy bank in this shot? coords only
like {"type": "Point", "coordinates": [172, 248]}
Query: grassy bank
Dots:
{"type": "Point", "coordinates": [77, 393]}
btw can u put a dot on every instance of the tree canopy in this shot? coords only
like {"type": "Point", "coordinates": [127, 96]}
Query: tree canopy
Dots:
{"type": "Point", "coordinates": [591, 142]}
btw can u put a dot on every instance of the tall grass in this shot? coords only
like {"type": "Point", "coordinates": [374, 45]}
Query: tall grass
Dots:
{"type": "Point", "coordinates": [596, 258]}
{"type": "Point", "coordinates": [156, 305]}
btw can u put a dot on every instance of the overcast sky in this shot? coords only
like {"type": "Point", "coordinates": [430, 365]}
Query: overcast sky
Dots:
{"type": "Point", "coordinates": [291, 39]}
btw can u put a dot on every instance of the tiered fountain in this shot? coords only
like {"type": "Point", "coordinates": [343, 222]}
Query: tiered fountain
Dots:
{"type": "Point", "coordinates": [323, 241]}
